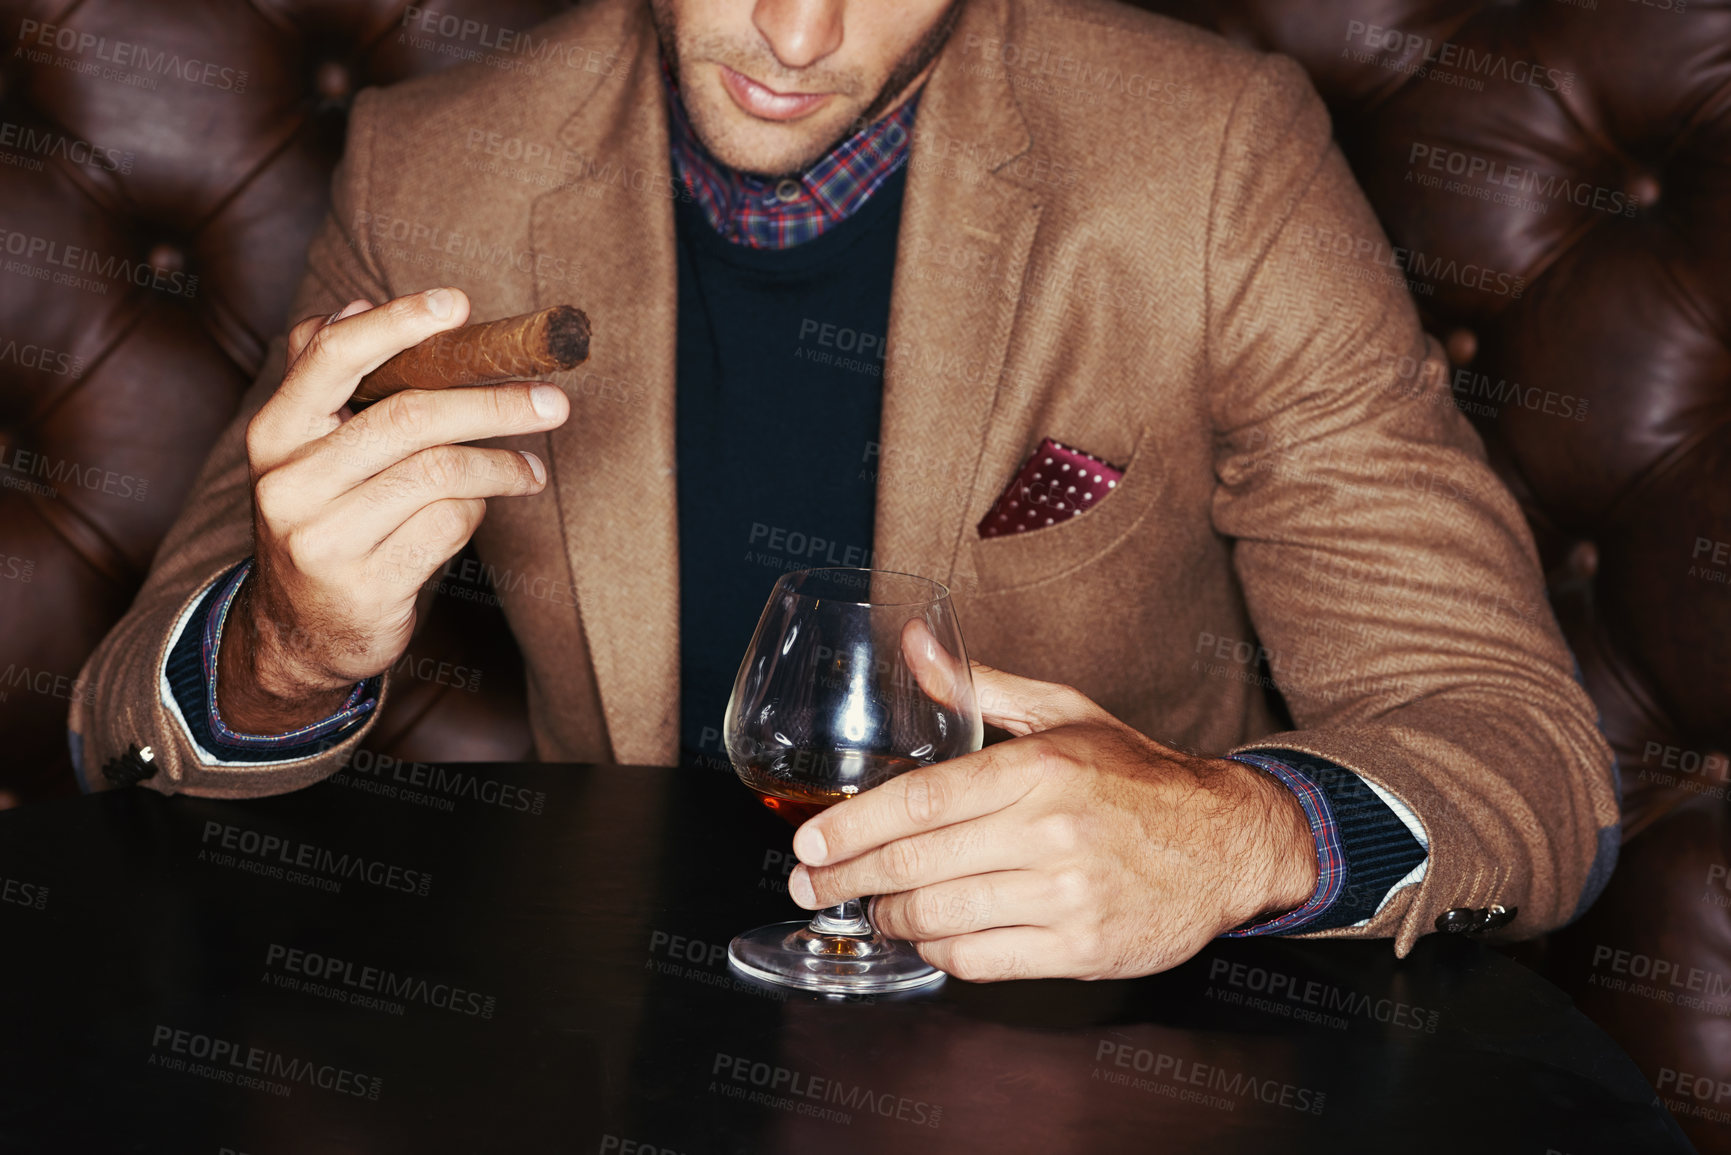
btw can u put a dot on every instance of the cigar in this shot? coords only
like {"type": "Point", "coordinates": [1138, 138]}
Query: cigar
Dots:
{"type": "Point", "coordinates": [485, 354]}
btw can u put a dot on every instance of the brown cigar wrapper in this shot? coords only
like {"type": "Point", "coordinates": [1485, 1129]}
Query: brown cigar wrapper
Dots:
{"type": "Point", "coordinates": [485, 354]}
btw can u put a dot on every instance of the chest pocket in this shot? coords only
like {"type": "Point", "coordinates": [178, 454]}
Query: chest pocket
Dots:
{"type": "Point", "coordinates": [1019, 560]}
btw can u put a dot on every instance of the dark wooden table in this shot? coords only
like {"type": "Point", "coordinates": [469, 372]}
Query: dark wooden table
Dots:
{"type": "Point", "coordinates": [531, 958]}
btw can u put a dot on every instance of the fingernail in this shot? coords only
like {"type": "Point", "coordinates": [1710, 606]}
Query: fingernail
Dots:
{"type": "Point", "coordinates": [799, 888]}
{"type": "Point", "coordinates": [545, 399]}
{"type": "Point", "coordinates": [809, 846]}
{"type": "Point", "coordinates": [535, 466]}
{"type": "Point", "coordinates": [440, 302]}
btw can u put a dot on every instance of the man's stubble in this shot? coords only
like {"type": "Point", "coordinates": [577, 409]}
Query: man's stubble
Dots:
{"type": "Point", "coordinates": [757, 60]}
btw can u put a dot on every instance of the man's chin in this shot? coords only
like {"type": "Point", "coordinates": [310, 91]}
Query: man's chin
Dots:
{"type": "Point", "coordinates": [751, 146]}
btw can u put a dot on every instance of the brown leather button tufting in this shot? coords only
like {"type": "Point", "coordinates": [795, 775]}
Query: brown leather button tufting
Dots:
{"type": "Point", "coordinates": [1462, 346]}
{"type": "Point", "coordinates": [1643, 189]}
{"type": "Point", "coordinates": [333, 81]}
{"type": "Point", "coordinates": [169, 258]}
{"type": "Point", "coordinates": [215, 144]}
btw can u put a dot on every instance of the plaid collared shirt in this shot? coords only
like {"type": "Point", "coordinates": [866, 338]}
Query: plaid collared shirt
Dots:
{"type": "Point", "coordinates": [778, 214]}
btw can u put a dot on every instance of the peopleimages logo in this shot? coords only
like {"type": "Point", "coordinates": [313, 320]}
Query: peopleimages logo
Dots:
{"type": "Point", "coordinates": [1700, 1087]}
{"type": "Point", "coordinates": [368, 986]}
{"type": "Point", "coordinates": [21, 893]}
{"type": "Point", "coordinates": [1176, 1072]}
{"type": "Point", "coordinates": [809, 549]}
{"type": "Point", "coordinates": [1372, 250]}
{"type": "Point", "coordinates": [1488, 175]}
{"type": "Point", "coordinates": [532, 48]}
{"type": "Point", "coordinates": [619, 1145]}
{"type": "Point", "coordinates": [94, 478]}
{"type": "Point", "coordinates": [1422, 51]}
{"type": "Point", "coordinates": [270, 854]}
{"type": "Point", "coordinates": [1037, 61]}
{"type": "Point", "coordinates": [226, 1061]}
{"type": "Point", "coordinates": [1281, 991]}
{"type": "Point", "coordinates": [394, 777]}
{"type": "Point", "coordinates": [28, 247]}
{"type": "Point", "coordinates": [46, 683]}
{"type": "Point", "coordinates": [1660, 979]}
{"type": "Point", "coordinates": [128, 54]}
{"type": "Point", "coordinates": [58, 146]}
{"type": "Point", "coordinates": [802, 1093]}
{"type": "Point", "coordinates": [374, 230]}
{"type": "Point", "coordinates": [41, 359]}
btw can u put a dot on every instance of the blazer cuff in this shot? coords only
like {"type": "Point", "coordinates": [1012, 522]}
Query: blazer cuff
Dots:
{"type": "Point", "coordinates": [189, 677]}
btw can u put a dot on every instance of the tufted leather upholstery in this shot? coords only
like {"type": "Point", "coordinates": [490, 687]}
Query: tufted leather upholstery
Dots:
{"type": "Point", "coordinates": [163, 163]}
{"type": "Point", "coordinates": [1586, 315]}
{"type": "Point", "coordinates": [1555, 183]}
{"type": "Point", "coordinates": [1565, 225]}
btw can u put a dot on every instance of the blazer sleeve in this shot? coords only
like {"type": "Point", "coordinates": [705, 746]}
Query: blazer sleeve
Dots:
{"type": "Point", "coordinates": [1386, 568]}
{"type": "Point", "coordinates": [125, 698]}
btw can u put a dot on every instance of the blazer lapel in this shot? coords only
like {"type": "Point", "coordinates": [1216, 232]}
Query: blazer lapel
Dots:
{"type": "Point", "coordinates": [966, 231]}
{"type": "Point", "coordinates": [613, 461]}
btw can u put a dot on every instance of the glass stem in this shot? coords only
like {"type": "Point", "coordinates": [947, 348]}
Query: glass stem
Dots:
{"type": "Point", "coordinates": [848, 918]}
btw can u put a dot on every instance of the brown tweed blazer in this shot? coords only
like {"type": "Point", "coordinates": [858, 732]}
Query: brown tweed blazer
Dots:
{"type": "Point", "coordinates": [1108, 239]}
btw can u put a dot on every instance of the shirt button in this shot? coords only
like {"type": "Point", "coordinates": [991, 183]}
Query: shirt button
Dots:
{"type": "Point", "coordinates": [787, 190]}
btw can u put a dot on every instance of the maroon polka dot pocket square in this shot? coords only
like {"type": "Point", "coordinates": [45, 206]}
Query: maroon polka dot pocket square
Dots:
{"type": "Point", "coordinates": [1054, 485]}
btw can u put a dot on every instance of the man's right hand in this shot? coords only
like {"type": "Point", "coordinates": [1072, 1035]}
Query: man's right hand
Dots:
{"type": "Point", "coordinates": [352, 513]}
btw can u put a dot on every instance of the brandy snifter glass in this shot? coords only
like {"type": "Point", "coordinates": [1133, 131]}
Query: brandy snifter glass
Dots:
{"type": "Point", "coordinates": [853, 677]}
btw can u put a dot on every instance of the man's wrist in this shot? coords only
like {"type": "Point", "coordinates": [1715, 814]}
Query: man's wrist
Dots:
{"type": "Point", "coordinates": [260, 689]}
{"type": "Point", "coordinates": [1277, 867]}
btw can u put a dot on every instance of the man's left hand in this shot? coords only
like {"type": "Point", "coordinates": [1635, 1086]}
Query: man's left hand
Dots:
{"type": "Point", "coordinates": [1077, 848]}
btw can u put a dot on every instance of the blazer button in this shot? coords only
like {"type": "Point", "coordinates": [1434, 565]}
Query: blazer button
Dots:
{"type": "Point", "coordinates": [1460, 920]}
{"type": "Point", "coordinates": [1465, 920]}
{"type": "Point", "coordinates": [1497, 916]}
{"type": "Point", "coordinates": [132, 767]}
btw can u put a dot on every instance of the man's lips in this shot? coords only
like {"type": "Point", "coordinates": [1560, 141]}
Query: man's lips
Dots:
{"type": "Point", "coordinates": [766, 103]}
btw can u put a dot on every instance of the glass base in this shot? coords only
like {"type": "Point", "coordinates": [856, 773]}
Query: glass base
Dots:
{"type": "Point", "coordinates": [791, 954]}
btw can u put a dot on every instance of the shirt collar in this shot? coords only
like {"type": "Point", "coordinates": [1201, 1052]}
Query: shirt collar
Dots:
{"type": "Point", "coordinates": [778, 214]}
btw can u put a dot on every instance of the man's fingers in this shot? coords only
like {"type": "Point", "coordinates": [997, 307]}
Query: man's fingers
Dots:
{"type": "Point", "coordinates": [336, 356]}
{"type": "Point", "coordinates": [1026, 706]}
{"type": "Point", "coordinates": [991, 843]}
{"type": "Point", "coordinates": [371, 512]}
{"type": "Point", "coordinates": [924, 799]}
{"type": "Point", "coordinates": [967, 905]}
{"type": "Point", "coordinates": [427, 540]}
{"type": "Point", "coordinates": [414, 420]}
{"type": "Point", "coordinates": [1005, 952]}
{"type": "Point", "coordinates": [301, 335]}
{"type": "Point", "coordinates": [944, 679]}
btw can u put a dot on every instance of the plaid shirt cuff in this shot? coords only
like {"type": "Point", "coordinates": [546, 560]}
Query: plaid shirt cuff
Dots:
{"type": "Point", "coordinates": [356, 704]}
{"type": "Point", "coordinates": [1330, 858]}
{"type": "Point", "coordinates": [191, 674]}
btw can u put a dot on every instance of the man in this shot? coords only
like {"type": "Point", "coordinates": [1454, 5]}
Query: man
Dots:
{"type": "Point", "coordinates": [1071, 237]}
